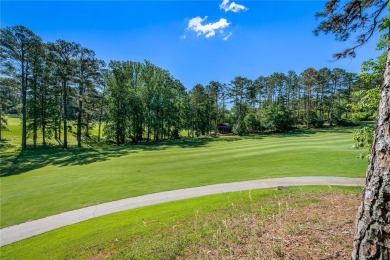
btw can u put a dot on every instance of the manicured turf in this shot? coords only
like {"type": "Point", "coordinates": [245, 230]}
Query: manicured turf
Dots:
{"type": "Point", "coordinates": [39, 182]}
{"type": "Point", "coordinates": [167, 230]}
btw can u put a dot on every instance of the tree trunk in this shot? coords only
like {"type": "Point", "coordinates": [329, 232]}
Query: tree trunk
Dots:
{"type": "Point", "coordinates": [65, 119]}
{"type": "Point", "coordinates": [88, 119]}
{"type": "Point", "coordinates": [101, 113]}
{"type": "Point", "coordinates": [148, 123]}
{"type": "Point", "coordinates": [216, 113]}
{"type": "Point", "coordinates": [43, 115]}
{"type": "Point", "coordinates": [24, 101]}
{"type": "Point", "coordinates": [43, 134]}
{"type": "Point", "coordinates": [209, 122]}
{"type": "Point", "coordinates": [197, 125]}
{"type": "Point", "coordinates": [100, 120]}
{"type": "Point", "coordinates": [35, 120]}
{"type": "Point", "coordinates": [372, 238]}
{"type": "Point", "coordinates": [79, 116]}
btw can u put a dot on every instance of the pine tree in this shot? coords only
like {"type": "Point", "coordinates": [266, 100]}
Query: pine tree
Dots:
{"type": "Point", "coordinates": [372, 237]}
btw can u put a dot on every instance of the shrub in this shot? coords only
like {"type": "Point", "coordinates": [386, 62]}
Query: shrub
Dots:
{"type": "Point", "coordinates": [240, 128]}
{"type": "Point", "coordinates": [312, 120]}
{"type": "Point", "coordinates": [276, 117]}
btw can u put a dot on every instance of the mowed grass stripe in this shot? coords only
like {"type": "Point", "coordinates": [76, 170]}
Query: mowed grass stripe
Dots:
{"type": "Point", "coordinates": [222, 149]}
{"type": "Point", "coordinates": [53, 181]}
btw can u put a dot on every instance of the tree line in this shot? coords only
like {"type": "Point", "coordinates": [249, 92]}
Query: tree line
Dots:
{"type": "Point", "coordinates": [62, 88]}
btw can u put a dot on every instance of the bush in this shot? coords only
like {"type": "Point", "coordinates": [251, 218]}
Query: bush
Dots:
{"type": "Point", "coordinates": [312, 120]}
{"type": "Point", "coordinates": [276, 117]}
{"type": "Point", "coordinates": [240, 128]}
{"type": "Point", "coordinates": [252, 123]}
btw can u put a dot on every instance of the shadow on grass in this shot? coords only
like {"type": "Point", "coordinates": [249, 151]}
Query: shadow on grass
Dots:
{"type": "Point", "coordinates": [197, 142]}
{"type": "Point", "coordinates": [299, 133]}
{"type": "Point", "coordinates": [6, 144]}
{"type": "Point", "coordinates": [16, 162]}
{"type": "Point", "coordinates": [21, 161]}
{"type": "Point", "coordinates": [29, 159]}
{"type": "Point", "coordinates": [324, 129]}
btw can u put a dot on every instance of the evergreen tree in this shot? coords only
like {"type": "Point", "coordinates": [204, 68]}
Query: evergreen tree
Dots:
{"type": "Point", "coordinates": [16, 43]}
{"type": "Point", "coordinates": [63, 56]}
{"type": "Point", "coordinates": [363, 18]}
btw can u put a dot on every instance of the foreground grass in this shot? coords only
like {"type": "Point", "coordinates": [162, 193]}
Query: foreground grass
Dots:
{"type": "Point", "coordinates": [173, 229]}
{"type": "Point", "coordinates": [40, 182]}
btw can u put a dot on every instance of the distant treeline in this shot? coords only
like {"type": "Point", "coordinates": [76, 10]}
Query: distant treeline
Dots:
{"type": "Point", "coordinates": [58, 86]}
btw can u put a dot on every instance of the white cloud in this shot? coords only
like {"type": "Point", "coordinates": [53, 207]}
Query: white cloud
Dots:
{"type": "Point", "coordinates": [227, 37]}
{"type": "Point", "coordinates": [233, 7]}
{"type": "Point", "coordinates": [208, 30]}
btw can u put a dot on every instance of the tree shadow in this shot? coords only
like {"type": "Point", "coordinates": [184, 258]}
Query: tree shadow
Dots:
{"type": "Point", "coordinates": [299, 133]}
{"type": "Point", "coordinates": [33, 158]}
{"type": "Point", "coordinates": [6, 144]}
{"type": "Point", "coordinates": [338, 129]}
{"type": "Point", "coordinates": [21, 161]}
{"type": "Point", "coordinates": [325, 129]}
{"type": "Point", "coordinates": [189, 142]}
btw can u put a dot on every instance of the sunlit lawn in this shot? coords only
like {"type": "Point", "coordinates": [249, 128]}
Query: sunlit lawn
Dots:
{"type": "Point", "coordinates": [194, 227]}
{"type": "Point", "coordinates": [39, 182]}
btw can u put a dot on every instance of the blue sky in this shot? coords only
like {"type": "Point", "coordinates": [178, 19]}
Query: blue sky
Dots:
{"type": "Point", "coordinates": [261, 37]}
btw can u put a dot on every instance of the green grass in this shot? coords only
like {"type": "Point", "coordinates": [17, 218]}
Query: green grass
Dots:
{"type": "Point", "coordinates": [166, 230]}
{"type": "Point", "coordinates": [44, 181]}
{"type": "Point", "coordinates": [14, 132]}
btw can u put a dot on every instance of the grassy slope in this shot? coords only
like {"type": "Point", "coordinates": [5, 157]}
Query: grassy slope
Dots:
{"type": "Point", "coordinates": [41, 182]}
{"type": "Point", "coordinates": [166, 230]}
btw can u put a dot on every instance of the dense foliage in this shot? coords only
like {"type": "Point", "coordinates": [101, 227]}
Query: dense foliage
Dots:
{"type": "Point", "coordinates": [61, 88]}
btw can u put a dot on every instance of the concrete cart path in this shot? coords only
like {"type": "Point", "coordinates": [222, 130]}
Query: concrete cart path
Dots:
{"type": "Point", "coordinates": [32, 228]}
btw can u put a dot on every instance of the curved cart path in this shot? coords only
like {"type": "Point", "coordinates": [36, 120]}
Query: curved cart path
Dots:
{"type": "Point", "coordinates": [32, 228]}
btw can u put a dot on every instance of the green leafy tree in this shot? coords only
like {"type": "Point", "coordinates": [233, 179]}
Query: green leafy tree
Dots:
{"type": "Point", "coordinates": [34, 83]}
{"type": "Point", "coordinates": [16, 43]}
{"type": "Point", "coordinates": [118, 102]}
{"type": "Point", "coordinates": [310, 81]}
{"type": "Point", "coordinates": [361, 19]}
{"type": "Point", "coordinates": [216, 89]}
{"type": "Point", "coordinates": [198, 100]}
{"type": "Point", "coordinates": [63, 57]}
{"type": "Point", "coordinates": [365, 100]}
{"type": "Point", "coordinates": [276, 117]}
{"type": "Point", "coordinates": [7, 87]}
{"type": "Point", "coordinates": [86, 74]}
{"type": "Point", "coordinates": [102, 95]}
{"type": "Point", "coordinates": [238, 92]}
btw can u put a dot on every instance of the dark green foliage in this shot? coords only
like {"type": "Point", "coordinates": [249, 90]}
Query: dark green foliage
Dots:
{"type": "Point", "coordinates": [67, 90]}
{"type": "Point", "coordinates": [7, 99]}
{"type": "Point", "coordinates": [142, 98]}
{"type": "Point", "coordinates": [87, 76]}
{"type": "Point", "coordinates": [312, 119]}
{"type": "Point", "coordinates": [240, 128]}
{"type": "Point", "coordinates": [17, 44]}
{"type": "Point", "coordinates": [347, 122]}
{"type": "Point", "coordinates": [252, 122]}
{"type": "Point", "coordinates": [117, 128]}
{"type": "Point", "coordinates": [276, 117]}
